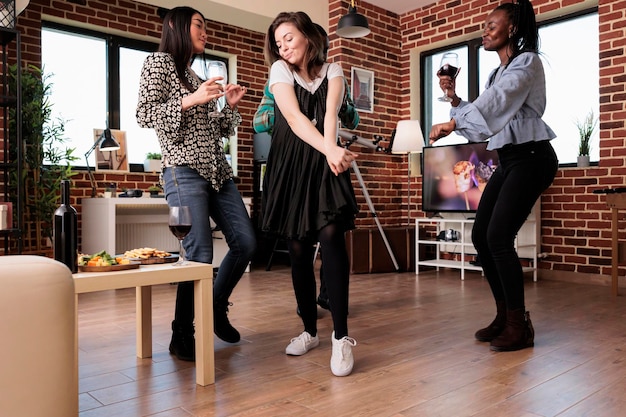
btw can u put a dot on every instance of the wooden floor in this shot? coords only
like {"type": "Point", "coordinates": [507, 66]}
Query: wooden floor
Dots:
{"type": "Point", "coordinates": [416, 355]}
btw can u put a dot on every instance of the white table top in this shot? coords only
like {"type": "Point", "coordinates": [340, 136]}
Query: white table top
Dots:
{"type": "Point", "coordinates": [145, 275]}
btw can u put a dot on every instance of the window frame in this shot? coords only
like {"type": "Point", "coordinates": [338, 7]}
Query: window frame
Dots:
{"type": "Point", "coordinates": [113, 80]}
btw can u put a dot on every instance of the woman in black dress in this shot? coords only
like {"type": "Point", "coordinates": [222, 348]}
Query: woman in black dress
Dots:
{"type": "Point", "coordinates": [308, 195]}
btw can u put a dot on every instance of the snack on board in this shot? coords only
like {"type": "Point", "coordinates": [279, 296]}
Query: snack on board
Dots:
{"type": "Point", "coordinates": [101, 258]}
{"type": "Point", "coordinates": [146, 253]}
{"type": "Point", "coordinates": [463, 175]}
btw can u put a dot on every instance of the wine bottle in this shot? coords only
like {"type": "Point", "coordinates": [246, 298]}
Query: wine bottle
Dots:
{"type": "Point", "coordinates": [66, 230]}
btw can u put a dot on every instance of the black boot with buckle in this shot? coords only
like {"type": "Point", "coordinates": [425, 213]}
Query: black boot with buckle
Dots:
{"type": "Point", "coordinates": [517, 334]}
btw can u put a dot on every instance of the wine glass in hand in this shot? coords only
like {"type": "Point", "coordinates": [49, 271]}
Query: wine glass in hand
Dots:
{"type": "Point", "coordinates": [450, 67]}
{"type": "Point", "coordinates": [218, 69]}
{"type": "Point", "coordinates": [180, 226]}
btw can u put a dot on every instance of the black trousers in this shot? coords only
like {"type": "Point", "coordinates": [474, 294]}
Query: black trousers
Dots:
{"type": "Point", "coordinates": [524, 172]}
{"type": "Point", "coordinates": [336, 272]}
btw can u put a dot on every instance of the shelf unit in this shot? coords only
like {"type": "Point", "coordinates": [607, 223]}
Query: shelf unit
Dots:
{"type": "Point", "coordinates": [525, 244]}
{"type": "Point", "coordinates": [7, 102]}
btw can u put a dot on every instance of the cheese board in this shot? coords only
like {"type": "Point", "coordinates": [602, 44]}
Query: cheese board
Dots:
{"type": "Point", "coordinates": [156, 260]}
{"type": "Point", "coordinates": [109, 268]}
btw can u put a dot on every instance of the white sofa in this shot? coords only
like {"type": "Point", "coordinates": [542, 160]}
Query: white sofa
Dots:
{"type": "Point", "coordinates": [38, 372]}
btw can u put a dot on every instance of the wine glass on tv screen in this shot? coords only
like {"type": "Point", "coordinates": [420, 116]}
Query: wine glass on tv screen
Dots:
{"type": "Point", "coordinates": [455, 176]}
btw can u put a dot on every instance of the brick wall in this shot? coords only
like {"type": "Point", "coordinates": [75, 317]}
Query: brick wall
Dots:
{"type": "Point", "coordinates": [385, 176]}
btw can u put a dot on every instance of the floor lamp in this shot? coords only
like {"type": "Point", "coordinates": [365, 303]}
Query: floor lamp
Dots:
{"type": "Point", "coordinates": [106, 143]}
{"type": "Point", "coordinates": [408, 140]}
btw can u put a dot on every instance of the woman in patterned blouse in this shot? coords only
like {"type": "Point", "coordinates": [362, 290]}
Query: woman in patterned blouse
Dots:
{"type": "Point", "coordinates": [176, 103]}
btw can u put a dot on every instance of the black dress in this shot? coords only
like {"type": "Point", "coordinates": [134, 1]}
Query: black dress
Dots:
{"type": "Point", "coordinates": [301, 195]}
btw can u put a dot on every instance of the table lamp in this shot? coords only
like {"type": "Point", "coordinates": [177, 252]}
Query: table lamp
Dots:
{"type": "Point", "coordinates": [407, 139]}
{"type": "Point", "coordinates": [106, 143]}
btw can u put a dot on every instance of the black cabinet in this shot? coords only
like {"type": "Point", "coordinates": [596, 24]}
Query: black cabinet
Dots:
{"type": "Point", "coordinates": [12, 151]}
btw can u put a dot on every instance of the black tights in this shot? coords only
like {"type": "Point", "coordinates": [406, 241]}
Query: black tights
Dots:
{"type": "Point", "coordinates": [336, 270]}
{"type": "Point", "coordinates": [523, 173]}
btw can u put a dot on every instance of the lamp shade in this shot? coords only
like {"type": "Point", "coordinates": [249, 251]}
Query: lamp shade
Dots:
{"type": "Point", "coordinates": [353, 24]}
{"type": "Point", "coordinates": [408, 137]}
{"type": "Point", "coordinates": [20, 5]}
{"type": "Point", "coordinates": [108, 143]}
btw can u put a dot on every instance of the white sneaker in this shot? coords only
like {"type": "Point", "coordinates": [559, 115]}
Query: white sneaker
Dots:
{"type": "Point", "coordinates": [342, 361]}
{"type": "Point", "coordinates": [302, 344]}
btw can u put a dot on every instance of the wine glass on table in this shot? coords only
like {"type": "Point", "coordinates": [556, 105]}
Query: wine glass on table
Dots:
{"type": "Point", "coordinates": [180, 226]}
{"type": "Point", "coordinates": [450, 67]}
{"type": "Point", "coordinates": [218, 69]}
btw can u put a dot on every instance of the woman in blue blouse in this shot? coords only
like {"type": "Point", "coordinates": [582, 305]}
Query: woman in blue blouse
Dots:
{"type": "Point", "coordinates": [508, 113]}
{"type": "Point", "coordinates": [176, 103]}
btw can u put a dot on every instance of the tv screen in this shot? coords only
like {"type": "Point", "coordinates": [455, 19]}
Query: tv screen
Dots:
{"type": "Point", "coordinates": [455, 176]}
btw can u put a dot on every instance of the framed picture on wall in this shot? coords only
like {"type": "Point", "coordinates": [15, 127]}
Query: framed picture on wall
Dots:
{"type": "Point", "coordinates": [362, 89]}
{"type": "Point", "coordinates": [112, 160]}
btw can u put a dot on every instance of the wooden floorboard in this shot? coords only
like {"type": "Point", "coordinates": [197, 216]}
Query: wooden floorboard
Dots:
{"type": "Point", "coordinates": [416, 355]}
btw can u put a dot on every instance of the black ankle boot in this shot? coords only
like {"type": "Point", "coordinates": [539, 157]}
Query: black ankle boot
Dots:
{"type": "Point", "coordinates": [322, 301]}
{"type": "Point", "coordinates": [517, 334]}
{"type": "Point", "coordinates": [183, 344]}
{"type": "Point", "coordinates": [492, 331]}
{"type": "Point", "coordinates": [221, 326]}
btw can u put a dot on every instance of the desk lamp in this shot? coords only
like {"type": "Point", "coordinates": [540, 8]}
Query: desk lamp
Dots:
{"type": "Point", "coordinates": [407, 139]}
{"type": "Point", "coordinates": [106, 143]}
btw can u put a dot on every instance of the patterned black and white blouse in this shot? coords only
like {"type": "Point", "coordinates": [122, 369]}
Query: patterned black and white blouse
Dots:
{"type": "Point", "coordinates": [190, 138]}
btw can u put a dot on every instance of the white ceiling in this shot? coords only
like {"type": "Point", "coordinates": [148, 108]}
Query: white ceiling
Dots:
{"type": "Point", "coordinates": [258, 15]}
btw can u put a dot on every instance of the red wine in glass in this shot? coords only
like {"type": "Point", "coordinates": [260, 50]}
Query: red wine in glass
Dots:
{"type": "Point", "coordinates": [180, 225]}
{"type": "Point", "coordinates": [449, 67]}
{"type": "Point", "coordinates": [180, 230]}
{"type": "Point", "coordinates": [449, 70]}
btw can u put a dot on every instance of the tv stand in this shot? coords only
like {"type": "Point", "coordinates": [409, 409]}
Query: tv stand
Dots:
{"type": "Point", "coordinates": [462, 247]}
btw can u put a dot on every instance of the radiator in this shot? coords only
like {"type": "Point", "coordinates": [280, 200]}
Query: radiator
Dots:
{"type": "Point", "coordinates": [144, 235]}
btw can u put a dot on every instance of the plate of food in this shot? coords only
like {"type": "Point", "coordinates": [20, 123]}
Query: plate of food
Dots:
{"type": "Point", "coordinates": [150, 256]}
{"type": "Point", "coordinates": [103, 262]}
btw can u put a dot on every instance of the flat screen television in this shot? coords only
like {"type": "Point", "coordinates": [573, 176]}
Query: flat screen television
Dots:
{"type": "Point", "coordinates": [454, 176]}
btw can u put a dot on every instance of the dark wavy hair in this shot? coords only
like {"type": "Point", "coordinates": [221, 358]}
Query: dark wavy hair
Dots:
{"type": "Point", "coordinates": [176, 41]}
{"type": "Point", "coordinates": [315, 53]}
{"type": "Point", "coordinates": [525, 34]}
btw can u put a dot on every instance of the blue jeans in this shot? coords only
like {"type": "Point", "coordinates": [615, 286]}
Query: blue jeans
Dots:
{"type": "Point", "coordinates": [523, 173]}
{"type": "Point", "coordinates": [185, 187]}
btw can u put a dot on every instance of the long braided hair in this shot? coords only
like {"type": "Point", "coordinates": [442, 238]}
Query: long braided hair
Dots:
{"type": "Point", "coordinates": [525, 34]}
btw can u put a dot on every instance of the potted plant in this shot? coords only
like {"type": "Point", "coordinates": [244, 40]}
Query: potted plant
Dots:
{"type": "Point", "coordinates": [586, 127]}
{"type": "Point", "coordinates": [154, 190]}
{"type": "Point", "coordinates": [46, 160]}
{"type": "Point", "coordinates": [152, 163]}
{"type": "Point", "coordinates": [109, 190]}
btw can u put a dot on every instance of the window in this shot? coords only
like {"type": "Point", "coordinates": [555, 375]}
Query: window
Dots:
{"type": "Point", "coordinates": [79, 80]}
{"type": "Point", "coordinates": [95, 80]}
{"type": "Point", "coordinates": [572, 80]}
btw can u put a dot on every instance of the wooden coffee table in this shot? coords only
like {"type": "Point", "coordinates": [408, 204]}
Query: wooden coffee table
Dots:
{"type": "Point", "coordinates": [143, 278]}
